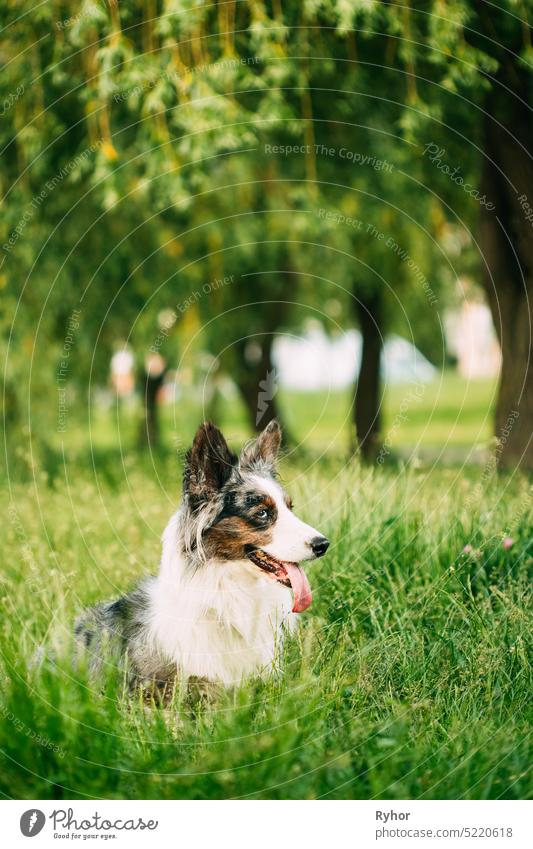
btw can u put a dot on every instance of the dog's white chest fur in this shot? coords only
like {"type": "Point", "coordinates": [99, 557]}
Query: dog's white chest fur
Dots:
{"type": "Point", "coordinates": [224, 621]}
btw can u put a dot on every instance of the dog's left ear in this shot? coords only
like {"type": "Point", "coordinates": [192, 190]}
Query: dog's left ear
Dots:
{"type": "Point", "coordinates": [263, 451]}
{"type": "Point", "coordinates": [208, 465]}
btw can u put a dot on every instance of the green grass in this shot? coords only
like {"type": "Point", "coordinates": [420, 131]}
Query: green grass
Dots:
{"type": "Point", "coordinates": [409, 677]}
{"type": "Point", "coordinates": [450, 420]}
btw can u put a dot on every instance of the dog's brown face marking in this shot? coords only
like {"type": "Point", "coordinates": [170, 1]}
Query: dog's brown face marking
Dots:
{"type": "Point", "coordinates": [232, 538]}
{"type": "Point", "coordinates": [245, 523]}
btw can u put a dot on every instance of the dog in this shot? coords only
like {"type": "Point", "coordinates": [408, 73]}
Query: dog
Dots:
{"type": "Point", "coordinates": [229, 587]}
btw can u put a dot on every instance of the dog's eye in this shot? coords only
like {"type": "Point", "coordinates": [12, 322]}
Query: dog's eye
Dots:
{"type": "Point", "coordinates": [262, 514]}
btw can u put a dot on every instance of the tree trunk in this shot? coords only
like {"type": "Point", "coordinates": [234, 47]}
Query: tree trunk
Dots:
{"type": "Point", "coordinates": [258, 383]}
{"type": "Point", "coordinates": [367, 414]}
{"type": "Point", "coordinates": [506, 239]}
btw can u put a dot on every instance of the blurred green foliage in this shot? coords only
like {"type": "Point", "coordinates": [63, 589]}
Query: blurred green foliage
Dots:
{"type": "Point", "coordinates": [145, 149]}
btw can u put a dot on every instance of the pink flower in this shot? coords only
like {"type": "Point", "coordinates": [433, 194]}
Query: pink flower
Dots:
{"type": "Point", "coordinates": [507, 543]}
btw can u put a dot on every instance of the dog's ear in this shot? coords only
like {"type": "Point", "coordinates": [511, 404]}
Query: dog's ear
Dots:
{"type": "Point", "coordinates": [263, 451]}
{"type": "Point", "coordinates": [208, 464]}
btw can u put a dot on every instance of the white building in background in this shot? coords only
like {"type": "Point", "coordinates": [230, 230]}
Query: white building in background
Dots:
{"type": "Point", "coordinates": [471, 338]}
{"type": "Point", "coordinates": [315, 361]}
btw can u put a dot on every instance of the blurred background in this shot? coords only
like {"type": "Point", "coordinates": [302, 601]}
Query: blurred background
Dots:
{"type": "Point", "coordinates": [318, 211]}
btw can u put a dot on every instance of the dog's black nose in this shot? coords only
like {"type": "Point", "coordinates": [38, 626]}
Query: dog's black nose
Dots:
{"type": "Point", "coordinates": [319, 545]}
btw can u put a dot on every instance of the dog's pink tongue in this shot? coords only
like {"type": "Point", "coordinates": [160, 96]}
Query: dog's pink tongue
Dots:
{"type": "Point", "coordinates": [300, 587]}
